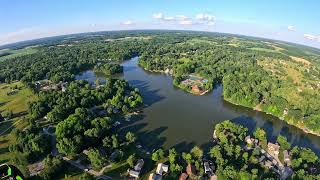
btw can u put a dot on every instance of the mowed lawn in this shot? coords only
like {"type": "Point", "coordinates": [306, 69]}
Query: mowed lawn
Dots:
{"type": "Point", "coordinates": [17, 102]}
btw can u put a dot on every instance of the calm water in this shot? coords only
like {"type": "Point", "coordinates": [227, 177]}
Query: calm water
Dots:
{"type": "Point", "coordinates": [173, 118]}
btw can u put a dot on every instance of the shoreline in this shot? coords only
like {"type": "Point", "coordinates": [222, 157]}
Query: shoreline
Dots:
{"type": "Point", "coordinates": [305, 130]}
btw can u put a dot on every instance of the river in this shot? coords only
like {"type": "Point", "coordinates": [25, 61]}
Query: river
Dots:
{"type": "Point", "coordinates": [174, 118]}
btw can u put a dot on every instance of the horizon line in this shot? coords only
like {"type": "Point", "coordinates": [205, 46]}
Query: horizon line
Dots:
{"type": "Point", "coordinates": [2, 46]}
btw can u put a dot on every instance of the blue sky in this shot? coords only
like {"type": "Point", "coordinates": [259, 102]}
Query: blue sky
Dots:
{"type": "Point", "coordinates": [290, 20]}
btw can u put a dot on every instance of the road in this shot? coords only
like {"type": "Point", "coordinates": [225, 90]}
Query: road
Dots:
{"type": "Point", "coordinates": [82, 167]}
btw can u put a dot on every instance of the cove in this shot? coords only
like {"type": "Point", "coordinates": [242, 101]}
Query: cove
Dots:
{"type": "Point", "coordinates": [174, 118]}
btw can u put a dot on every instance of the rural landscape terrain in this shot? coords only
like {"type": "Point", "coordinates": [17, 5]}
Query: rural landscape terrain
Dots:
{"type": "Point", "coordinates": [54, 125]}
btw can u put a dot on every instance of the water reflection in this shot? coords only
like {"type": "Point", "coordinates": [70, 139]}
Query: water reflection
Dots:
{"type": "Point", "coordinates": [173, 118]}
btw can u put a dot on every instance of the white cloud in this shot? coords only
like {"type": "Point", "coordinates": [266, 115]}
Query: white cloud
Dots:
{"type": "Point", "coordinates": [157, 15]}
{"type": "Point", "coordinates": [168, 18]}
{"type": "Point", "coordinates": [182, 17]}
{"type": "Point", "coordinates": [312, 37]}
{"type": "Point", "coordinates": [205, 17]}
{"type": "Point", "coordinates": [291, 28]}
{"type": "Point", "coordinates": [127, 22]}
{"type": "Point", "coordinates": [186, 22]}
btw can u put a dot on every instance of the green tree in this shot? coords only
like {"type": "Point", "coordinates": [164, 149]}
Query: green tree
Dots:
{"type": "Point", "coordinates": [172, 155]}
{"type": "Point", "coordinates": [260, 134]}
{"type": "Point", "coordinates": [283, 142]}
{"type": "Point", "coordinates": [131, 159]}
{"type": "Point", "coordinates": [96, 158]}
{"type": "Point", "coordinates": [157, 155]}
{"type": "Point", "coordinates": [52, 167]}
{"type": "Point", "coordinates": [115, 141]}
{"type": "Point", "coordinates": [130, 137]}
{"type": "Point", "coordinates": [197, 152]}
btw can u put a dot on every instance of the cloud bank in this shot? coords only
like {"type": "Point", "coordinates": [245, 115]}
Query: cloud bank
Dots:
{"type": "Point", "coordinates": [204, 19]}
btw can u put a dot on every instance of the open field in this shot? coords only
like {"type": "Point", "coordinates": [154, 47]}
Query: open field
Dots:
{"type": "Point", "coordinates": [17, 102]}
{"type": "Point", "coordinates": [8, 54]}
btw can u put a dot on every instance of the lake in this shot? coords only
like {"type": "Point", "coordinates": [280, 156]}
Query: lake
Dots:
{"type": "Point", "coordinates": [174, 118]}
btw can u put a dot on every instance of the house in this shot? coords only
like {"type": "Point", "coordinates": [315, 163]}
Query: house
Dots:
{"type": "Point", "coordinates": [248, 140]}
{"type": "Point", "coordinates": [195, 89]}
{"type": "Point", "coordinates": [286, 158]}
{"type": "Point", "coordinates": [183, 176]}
{"type": "Point", "coordinates": [190, 169]}
{"type": "Point", "coordinates": [162, 168]}
{"type": "Point", "coordinates": [273, 149]}
{"type": "Point", "coordinates": [207, 168]}
{"type": "Point", "coordinates": [154, 176]}
{"type": "Point", "coordinates": [139, 165]}
{"type": "Point", "coordinates": [135, 172]}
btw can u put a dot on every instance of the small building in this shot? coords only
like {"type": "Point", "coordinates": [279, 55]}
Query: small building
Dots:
{"type": "Point", "coordinates": [286, 158]}
{"type": "Point", "coordinates": [154, 176]}
{"type": "Point", "coordinates": [162, 168]}
{"type": "Point", "coordinates": [273, 149]}
{"type": "Point", "coordinates": [183, 176]}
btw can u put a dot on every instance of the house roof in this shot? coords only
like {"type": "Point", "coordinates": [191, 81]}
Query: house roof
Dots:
{"type": "Point", "coordinates": [161, 168]}
{"type": "Point", "coordinates": [139, 165]}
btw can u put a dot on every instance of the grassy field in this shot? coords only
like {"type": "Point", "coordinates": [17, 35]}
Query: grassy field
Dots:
{"type": "Point", "coordinates": [16, 53]}
{"type": "Point", "coordinates": [17, 102]}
